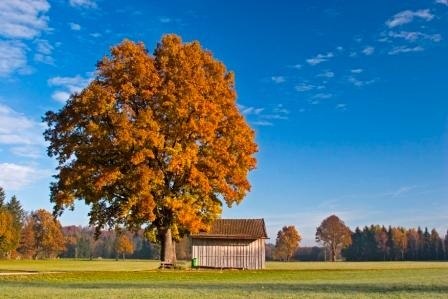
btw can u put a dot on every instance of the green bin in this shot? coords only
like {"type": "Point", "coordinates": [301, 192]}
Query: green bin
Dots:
{"type": "Point", "coordinates": [194, 262]}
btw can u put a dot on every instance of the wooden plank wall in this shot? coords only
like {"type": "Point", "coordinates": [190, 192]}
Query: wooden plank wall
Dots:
{"type": "Point", "coordinates": [240, 254]}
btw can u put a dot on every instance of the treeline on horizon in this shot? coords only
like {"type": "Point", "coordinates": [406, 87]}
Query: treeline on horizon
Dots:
{"type": "Point", "coordinates": [378, 243]}
{"type": "Point", "coordinates": [37, 235]}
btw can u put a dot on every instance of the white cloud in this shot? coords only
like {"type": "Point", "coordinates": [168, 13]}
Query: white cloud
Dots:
{"type": "Point", "coordinates": [43, 52]}
{"type": "Point", "coordinates": [68, 86]}
{"type": "Point", "coordinates": [15, 176]}
{"type": "Point", "coordinates": [263, 117]}
{"type": "Point", "coordinates": [326, 74]}
{"type": "Point", "coordinates": [23, 19]}
{"type": "Point", "coordinates": [414, 36]}
{"type": "Point", "coordinates": [74, 26]}
{"type": "Point", "coordinates": [12, 58]}
{"type": "Point", "coordinates": [322, 96]}
{"type": "Point", "coordinates": [27, 151]}
{"type": "Point", "coordinates": [281, 109]}
{"type": "Point", "coordinates": [319, 58]}
{"type": "Point", "coordinates": [262, 123]}
{"type": "Point", "coordinates": [60, 96]}
{"type": "Point", "coordinates": [356, 71]}
{"type": "Point", "coordinates": [302, 87]}
{"type": "Point", "coordinates": [165, 20]}
{"type": "Point", "coordinates": [83, 3]}
{"type": "Point", "coordinates": [17, 129]}
{"type": "Point", "coordinates": [95, 34]}
{"type": "Point", "coordinates": [250, 110]}
{"type": "Point", "coordinates": [278, 79]}
{"type": "Point", "coordinates": [368, 50]}
{"type": "Point", "coordinates": [405, 49]}
{"type": "Point", "coordinates": [279, 112]}
{"type": "Point", "coordinates": [443, 2]}
{"type": "Point", "coordinates": [407, 16]}
{"type": "Point", "coordinates": [297, 66]}
{"type": "Point", "coordinates": [341, 106]}
{"type": "Point", "coordinates": [360, 83]}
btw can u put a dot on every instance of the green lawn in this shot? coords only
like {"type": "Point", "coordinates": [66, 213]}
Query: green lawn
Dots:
{"type": "Point", "coordinates": [141, 279]}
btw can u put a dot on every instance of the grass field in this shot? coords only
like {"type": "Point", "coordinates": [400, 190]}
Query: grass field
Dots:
{"type": "Point", "coordinates": [141, 279]}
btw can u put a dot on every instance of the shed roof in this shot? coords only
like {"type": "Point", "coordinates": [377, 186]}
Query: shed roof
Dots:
{"type": "Point", "coordinates": [249, 229]}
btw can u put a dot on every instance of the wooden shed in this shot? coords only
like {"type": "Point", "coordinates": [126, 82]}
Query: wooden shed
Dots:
{"type": "Point", "coordinates": [231, 243]}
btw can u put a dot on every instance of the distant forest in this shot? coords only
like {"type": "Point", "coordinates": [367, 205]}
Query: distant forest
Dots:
{"type": "Point", "coordinates": [37, 235]}
{"type": "Point", "coordinates": [378, 243]}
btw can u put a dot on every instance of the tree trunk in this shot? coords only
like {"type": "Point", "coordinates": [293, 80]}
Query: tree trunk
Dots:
{"type": "Point", "coordinates": [333, 253]}
{"type": "Point", "coordinates": [168, 254]}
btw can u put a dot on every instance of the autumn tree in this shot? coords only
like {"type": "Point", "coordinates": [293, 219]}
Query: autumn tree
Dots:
{"type": "Point", "coordinates": [11, 217]}
{"type": "Point", "coordinates": [287, 243]}
{"type": "Point", "coordinates": [153, 139]}
{"type": "Point", "coordinates": [27, 243]}
{"type": "Point", "coordinates": [334, 234]}
{"type": "Point", "coordinates": [48, 238]}
{"type": "Point", "coordinates": [124, 245]}
{"type": "Point", "coordinates": [381, 239]}
{"type": "Point", "coordinates": [400, 240]}
{"type": "Point", "coordinates": [7, 232]}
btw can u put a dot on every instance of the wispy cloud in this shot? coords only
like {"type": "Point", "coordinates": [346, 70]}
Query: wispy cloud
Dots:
{"type": "Point", "coordinates": [319, 58]}
{"type": "Point", "coordinates": [67, 85]}
{"type": "Point", "coordinates": [43, 52]}
{"type": "Point", "coordinates": [415, 36]}
{"type": "Point", "coordinates": [278, 79]}
{"type": "Point", "coordinates": [322, 96]}
{"type": "Point", "coordinates": [405, 49]}
{"type": "Point", "coordinates": [369, 50]}
{"type": "Point", "coordinates": [407, 16]}
{"type": "Point", "coordinates": [262, 123]}
{"type": "Point", "coordinates": [326, 74]}
{"type": "Point", "coordinates": [360, 83]}
{"type": "Point", "coordinates": [83, 3]}
{"type": "Point", "coordinates": [15, 176]}
{"type": "Point", "coordinates": [250, 110]}
{"type": "Point", "coordinates": [341, 106]}
{"type": "Point", "coordinates": [74, 26]}
{"type": "Point", "coordinates": [23, 19]}
{"type": "Point", "coordinates": [356, 71]}
{"type": "Point", "coordinates": [304, 86]}
{"type": "Point", "coordinates": [20, 135]}
{"type": "Point", "coordinates": [297, 66]}
{"type": "Point", "coordinates": [165, 20]}
{"type": "Point", "coordinates": [264, 117]}
{"type": "Point", "coordinates": [443, 2]}
{"type": "Point", "coordinates": [12, 58]}
{"type": "Point", "coordinates": [17, 129]}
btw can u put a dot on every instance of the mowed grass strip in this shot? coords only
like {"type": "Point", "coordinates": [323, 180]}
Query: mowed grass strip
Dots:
{"type": "Point", "coordinates": [318, 280]}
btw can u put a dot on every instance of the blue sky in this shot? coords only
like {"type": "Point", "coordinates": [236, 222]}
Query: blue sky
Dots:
{"type": "Point", "coordinates": [348, 98]}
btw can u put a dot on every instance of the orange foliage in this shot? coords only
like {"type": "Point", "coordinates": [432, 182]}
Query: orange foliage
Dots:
{"type": "Point", "coordinates": [153, 139]}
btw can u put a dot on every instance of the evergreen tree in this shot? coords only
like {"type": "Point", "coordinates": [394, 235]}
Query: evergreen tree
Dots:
{"type": "Point", "coordinates": [446, 245]}
{"type": "Point", "coordinates": [2, 197]}
{"type": "Point", "coordinates": [15, 207]}
{"type": "Point", "coordinates": [436, 246]}
{"type": "Point", "coordinates": [381, 241]}
{"type": "Point", "coordinates": [426, 251]}
{"type": "Point", "coordinates": [354, 252]}
{"type": "Point", "coordinates": [420, 254]}
{"type": "Point", "coordinates": [390, 244]}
